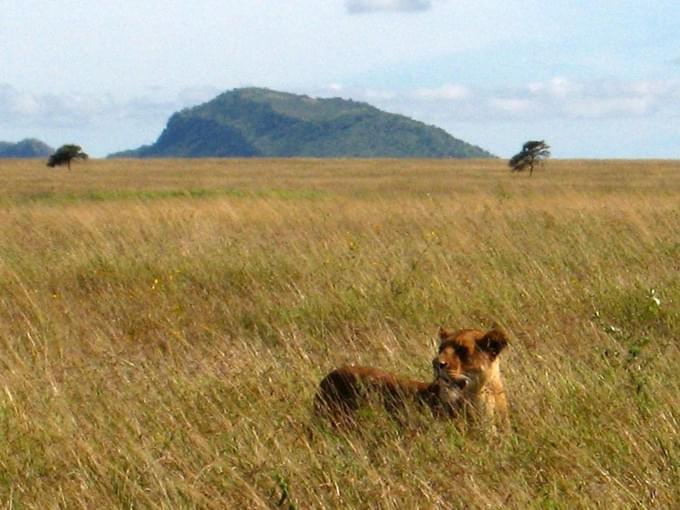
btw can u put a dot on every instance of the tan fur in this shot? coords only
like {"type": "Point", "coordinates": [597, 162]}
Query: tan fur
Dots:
{"type": "Point", "coordinates": [347, 389]}
{"type": "Point", "coordinates": [471, 356]}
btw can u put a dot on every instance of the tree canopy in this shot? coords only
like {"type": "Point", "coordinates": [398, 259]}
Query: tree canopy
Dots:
{"type": "Point", "coordinates": [532, 153]}
{"type": "Point", "coordinates": [65, 154]}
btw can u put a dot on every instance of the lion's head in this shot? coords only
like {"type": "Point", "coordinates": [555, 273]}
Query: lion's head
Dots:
{"type": "Point", "coordinates": [467, 358]}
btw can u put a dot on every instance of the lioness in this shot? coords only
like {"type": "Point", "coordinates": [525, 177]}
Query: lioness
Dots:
{"type": "Point", "coordinates": [471, 355]}
{"type": "Point", "coordinates": [344, 390]}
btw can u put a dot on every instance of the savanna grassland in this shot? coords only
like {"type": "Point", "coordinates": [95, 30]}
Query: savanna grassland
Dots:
{"type": "Point", "coordinates": [164, 324]}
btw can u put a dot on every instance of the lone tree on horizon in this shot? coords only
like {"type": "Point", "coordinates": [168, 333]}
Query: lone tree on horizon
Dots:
{"type": "Point", "coordinates": [533, 152]}
{"type": "Point", "coordinates": [65, 154]}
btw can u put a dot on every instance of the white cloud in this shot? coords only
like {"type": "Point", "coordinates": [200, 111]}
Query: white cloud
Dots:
{"type": "Point", "coordinates": [14, 103]}
{"type": "Point", "coordinates": [197, 95]}
{"type": "Point", "coordinates": [556, 87]}
{"type": "Point", "coordinates": [557, 98]}
{"type": "Point", "coordinates": [579, 118]}
{"type": "Point", "coordinates": [27, 109]}
{"type": "Point", "coordinates": [445, 92]}
{"type": "Point", "coordinates": [106, 123]}
{"type": "Point", "coordinates": [364, 6]}
{"type": "Point", "coordinates": [603, 107]}
{"type": "Point", "coordinates": [511, 104]}
{"type": "Point", "coordinates": [101, 123]}
{"type": "Point", "coordinates": [24, 108]}
{"type": "Point", "coordinates": [377, 95]}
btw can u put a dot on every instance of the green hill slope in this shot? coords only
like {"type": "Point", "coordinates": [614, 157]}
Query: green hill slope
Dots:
{"type": "Point", "coordinates": [29, 148]}
{"type": "Point", "coordinates": [260, 122]}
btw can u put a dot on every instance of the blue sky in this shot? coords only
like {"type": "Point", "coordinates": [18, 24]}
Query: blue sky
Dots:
{"type": "Point", "coordinates": [595, 79]}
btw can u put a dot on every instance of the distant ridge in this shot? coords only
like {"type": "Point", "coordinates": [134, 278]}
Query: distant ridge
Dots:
{"type": "Point", "coordinates": [28, 148]}
{"type": "Point", "coordinates": [257, 122]}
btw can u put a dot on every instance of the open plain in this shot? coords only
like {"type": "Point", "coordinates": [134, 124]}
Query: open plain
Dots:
{"type": "Point", "coordinates": [164, 325]}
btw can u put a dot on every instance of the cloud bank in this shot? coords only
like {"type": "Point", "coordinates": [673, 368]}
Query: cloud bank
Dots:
{"type": "Point", "coordinates": [557, 98]}
{"type": "Point", "coordinates": [106, 124]}
{"type": "Point", "coordinates": [366, 6]}
{"type": "Point", "coordinates": [100, 123]}
{"type": "Point", "coordinates": [579, 118]}
{"type": "Point", "coordinates": [26, 109]}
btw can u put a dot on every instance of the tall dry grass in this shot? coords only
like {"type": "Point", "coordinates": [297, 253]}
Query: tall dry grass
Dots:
{"type": "Point", "coordinates": [163, 325]}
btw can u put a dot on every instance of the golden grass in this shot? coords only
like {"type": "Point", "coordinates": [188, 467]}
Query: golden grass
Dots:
{"type": "Point", "coordinates": [164, 323]}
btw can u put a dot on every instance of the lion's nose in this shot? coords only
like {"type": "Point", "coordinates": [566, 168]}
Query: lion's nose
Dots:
{"type": "Point", "coordinates": [439, 363]}
{"type": "Point", "coordinates": [461, 382]}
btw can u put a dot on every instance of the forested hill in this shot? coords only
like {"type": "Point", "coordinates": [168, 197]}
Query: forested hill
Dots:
{"type": "Point", "coordinates": [29, 148]}
{"type": "Point", "coordinates": [253, 122]}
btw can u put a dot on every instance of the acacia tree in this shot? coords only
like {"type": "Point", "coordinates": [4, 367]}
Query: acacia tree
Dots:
{"type": "Point", "coordinates": [65, 154]}
{"type": "Point", "coordinates": [533, 152]}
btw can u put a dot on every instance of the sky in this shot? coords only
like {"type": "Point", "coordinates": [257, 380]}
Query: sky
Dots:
{"type": "Point", "coordinates": [594, 79]}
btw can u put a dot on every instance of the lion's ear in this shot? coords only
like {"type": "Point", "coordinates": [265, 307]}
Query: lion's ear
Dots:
{"type": "Point", "coordinates": [443, 333]}
{"type": "Point", "coordinates": [493, 342]}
